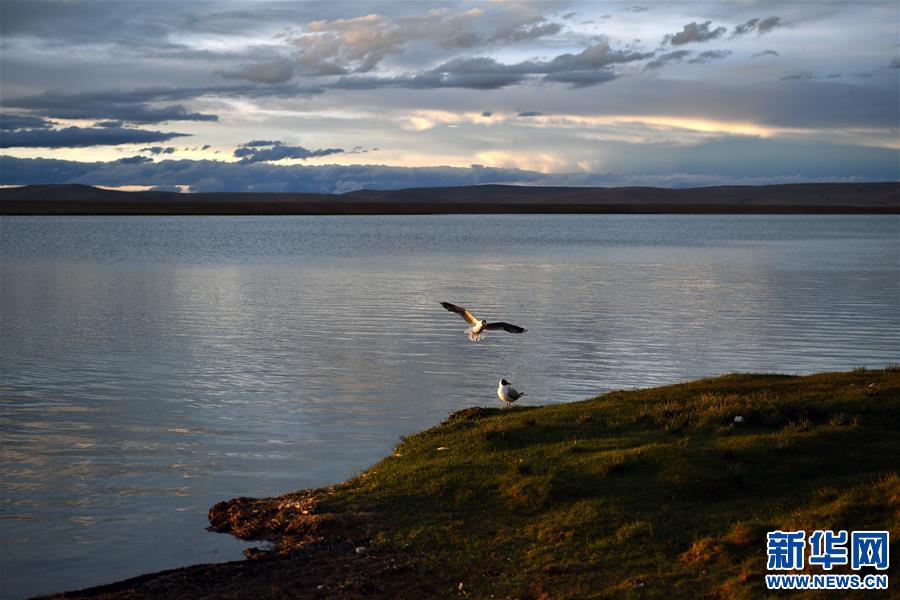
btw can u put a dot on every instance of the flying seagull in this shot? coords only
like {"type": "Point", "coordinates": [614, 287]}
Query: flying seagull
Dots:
{"type": "Point", "coordinates": [480, 325]}
{"type": "Point", "coordinates": [506, 393]}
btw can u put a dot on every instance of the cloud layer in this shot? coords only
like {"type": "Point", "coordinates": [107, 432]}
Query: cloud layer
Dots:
{"type": "Point", "coordinates": [601, 90]}
{"type": "Point", "coordinates": [80, 137]}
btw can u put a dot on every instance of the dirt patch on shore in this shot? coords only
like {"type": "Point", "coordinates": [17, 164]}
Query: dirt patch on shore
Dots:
{"type": "Point", "coordinates": [310, 553]}
{"type": "Point", "coordinates": [287, 522]}
{"type": "Point", "coordinates": [317, 571]}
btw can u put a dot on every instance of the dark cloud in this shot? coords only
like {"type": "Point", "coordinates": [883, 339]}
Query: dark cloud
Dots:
{"type": "Point", "coordinates": [597, 56]}
{"type": "Point", "coordinates": [635, 9]}
{"type": "Point", "coordinates": [486, 113]}
{"type": "Point", "coordinates": [759, 26]}
{"type": "Point", "coordinates": [709, 55]}
{"type": "Point", "coordinates": [131, 107]}
{"type": "Point", "coordinates": [579, 79]}
{"type": "Point", "coordinates": [255, 143]}
{"type": "Point", "coordinates": [133, 160]}
{"type": "Point", "coordinates": [272, 71]}
{"type": "Point", "coordinates": [108, 124]}
{"type": "Point", "coordinates": [569, 15]}
{"type": "Point", "coordinates": [265, 151]}
{"type": "Point", "coordinates": [675, 56]}
{"type": "Point", "coordinates": [798, 76]}
{"type": "Point", "coordinates": [895, 64]}
{"type": "Point", "coordinates": [157, 150]}
{"type": "Point", "coordinates": [522, 33]}
{"type": "Point", "coordinates": [206, 147]}
{"type": "Point", "coordinates": [694, 32]}
{"type": "Point", "coordinates": [766, 53]}
{"type": "Point", "coordinates": [530, 113]}
{"type": "Point", "coordinates": [141, 105]}
{"type": "Point", "coordinates": [808, 75]}
{"type": "Point", "coordinates": [487, 73]}
{"type": "Point", "coordinates": [768, 24]}
{"type": "Point", "coordinates": [79, 137]}
{"type": "Point", "coordinates": [11, 121]}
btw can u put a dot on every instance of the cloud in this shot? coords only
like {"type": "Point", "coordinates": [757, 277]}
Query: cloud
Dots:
{"type": "Point", "coordinates": [895, 63]}
{"type": "Point", "coordinates": [709, 55]}
{"type": "Point", "coordinates": [254, 143]}
{"type": "Point", "coordinates": [131, 107]}
{"type": "Point", "coordinates": [530, 113]}
{"type": "Point", "coordinates": [157, 150]}
{"type": "Point", "coordinates": [694, 32]}
{"type": "Point", "coordinates": [675, 56]}
{"type": "Point", "coordinates": [588, 67]}
{"type": "Point", "coordinates": [598, 56]}
{"type": "Point", "coordinates": [809, 75]}
{"type": "Point", "coordinates": [360, 44]}
{"type": "Point", "coordinates": [521, 33]}
{"type": "Point", "coordinates": [11, 121]}
{"type": "Point", "coordinates": [79, 137]}
{"type": "Point", "coordinates": [133, 160]}
{"type": "Point", "coordinates": [272, 71]}
{"type": "Point", "coordinates": [265, 151]}
{"type": "Point", "coordinates": [760, 26]}
{"type": "Point", "coordinates": [142, 105]}
{"type": "Point", "coordinates": [798, 76]}
{"type": "Point", "coordinates": [766, 53]}
{"type": "Point", "coordinates": [580, 79]}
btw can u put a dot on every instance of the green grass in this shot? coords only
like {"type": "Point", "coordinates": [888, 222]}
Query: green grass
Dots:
{"type": "Point", "coordinates": [652, 493]}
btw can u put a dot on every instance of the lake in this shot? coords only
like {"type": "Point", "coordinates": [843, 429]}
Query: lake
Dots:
{"type": "Point", "coordinates": [152, 366]}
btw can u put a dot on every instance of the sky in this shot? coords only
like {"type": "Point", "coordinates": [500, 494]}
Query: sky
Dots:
{"type": "Point", "coordinates": [337, 96]}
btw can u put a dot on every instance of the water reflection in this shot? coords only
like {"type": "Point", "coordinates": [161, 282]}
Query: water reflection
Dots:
{"type": "Point", "coordinates": [151, 367]}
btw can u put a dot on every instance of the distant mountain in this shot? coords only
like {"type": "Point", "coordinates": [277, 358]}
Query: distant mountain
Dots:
{"type": "Point", "coordinates": [794, 198]}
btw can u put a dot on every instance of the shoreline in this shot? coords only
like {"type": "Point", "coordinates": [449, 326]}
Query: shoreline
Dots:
{"type": "Point", "coordinates": [537, 501]}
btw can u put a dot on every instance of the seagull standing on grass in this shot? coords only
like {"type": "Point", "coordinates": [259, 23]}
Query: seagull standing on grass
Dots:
{"type": "Point", "coordinates": [478, 326]}
{"type": "Point", "coordinates": [507, 393]}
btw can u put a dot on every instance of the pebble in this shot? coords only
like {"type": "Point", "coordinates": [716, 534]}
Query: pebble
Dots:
{"type": "Point", "coordinates": [361, 549]}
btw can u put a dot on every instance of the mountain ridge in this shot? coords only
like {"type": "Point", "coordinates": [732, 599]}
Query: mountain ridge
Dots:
{"type": "Point", "coordinates": [822, 198]}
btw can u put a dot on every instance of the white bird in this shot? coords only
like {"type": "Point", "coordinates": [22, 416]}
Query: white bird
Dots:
{"type": "Point", "coordinates": [478, 326]}
{"type": "Point", "coordinates": [507, 393]}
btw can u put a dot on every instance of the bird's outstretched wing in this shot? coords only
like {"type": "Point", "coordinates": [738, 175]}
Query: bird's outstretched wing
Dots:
{"type": "Point", "coordinates": [461, 312]}
{"type": "Point", "coordinates": [507, 326]}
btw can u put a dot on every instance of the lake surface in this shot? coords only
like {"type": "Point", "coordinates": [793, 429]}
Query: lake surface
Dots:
{"type": "Point", "coordinates": [152, 366]}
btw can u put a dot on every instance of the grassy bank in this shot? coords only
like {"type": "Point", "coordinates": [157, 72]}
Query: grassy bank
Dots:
{"type": "Point", "coordinates": [653, 493]}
